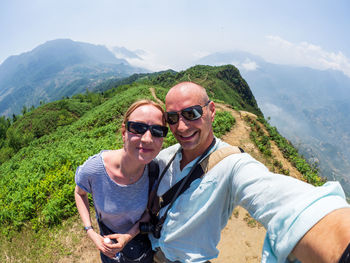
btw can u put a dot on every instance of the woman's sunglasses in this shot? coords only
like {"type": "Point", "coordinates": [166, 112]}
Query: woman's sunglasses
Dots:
{"type": "Point", "coordinates": [191, 113]}
{"type": "Point", "coordinates": [142, 128]}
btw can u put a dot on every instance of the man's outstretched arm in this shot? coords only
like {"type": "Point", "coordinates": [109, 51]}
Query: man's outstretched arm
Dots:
{"type": "Point", "coordinates": [327, 240]}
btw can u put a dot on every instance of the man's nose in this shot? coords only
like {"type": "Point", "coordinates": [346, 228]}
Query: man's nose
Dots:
{"type": "Point", "coordinates": [182, 123]}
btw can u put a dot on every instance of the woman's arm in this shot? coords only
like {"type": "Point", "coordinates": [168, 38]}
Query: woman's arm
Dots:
{"type": "Point", "coordinates": [82, 202]}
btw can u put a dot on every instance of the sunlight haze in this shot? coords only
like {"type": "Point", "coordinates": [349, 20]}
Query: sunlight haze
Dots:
{"type": "Point", "coordinates": [173, 34]}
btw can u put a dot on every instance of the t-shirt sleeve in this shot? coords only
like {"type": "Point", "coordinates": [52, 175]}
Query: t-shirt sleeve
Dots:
{"type": "Point", "coordinates": [84, 173]}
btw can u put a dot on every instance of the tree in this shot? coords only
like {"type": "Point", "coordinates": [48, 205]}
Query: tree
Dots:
{"type": "Point", "coordinates": [4, 125]}
{"type": "Point", "coordinates": [14, 118]}
{"type": "Point", "coordinates": [24, 110]}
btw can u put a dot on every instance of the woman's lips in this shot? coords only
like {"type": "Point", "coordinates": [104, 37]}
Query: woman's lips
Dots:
{"type": "Point", "coordinates": [145, 150]}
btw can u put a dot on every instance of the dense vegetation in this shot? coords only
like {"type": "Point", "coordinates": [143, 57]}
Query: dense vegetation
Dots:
{"type": "Point", "coordinates": [35, 123]}
{"type": "Point", "coordinates": [263, 141]}
{"type": "Point", "coordinates": [38, 181]}
{"type": "Point", "coordinates": [40, 150]}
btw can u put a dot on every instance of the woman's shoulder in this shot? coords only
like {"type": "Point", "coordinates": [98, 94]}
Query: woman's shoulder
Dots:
{"type": "Point", "coordinates": [108, 155]}
{"type": "Point", "coordinates": [91, 164]}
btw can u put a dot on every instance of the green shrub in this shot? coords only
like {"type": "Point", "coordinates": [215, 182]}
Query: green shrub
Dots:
{"type": "Point", "coordinates": [223, 122]}
{"type": "Point", "coordinates": [309, 172]}
{"type": "Point", "coordinates": [261, 140]}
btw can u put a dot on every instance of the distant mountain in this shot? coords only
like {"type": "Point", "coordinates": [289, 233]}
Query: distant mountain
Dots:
{"type": "Point", "coordinates": [56, 69]}
{"type": "Point", "coordinates": [310, 107]}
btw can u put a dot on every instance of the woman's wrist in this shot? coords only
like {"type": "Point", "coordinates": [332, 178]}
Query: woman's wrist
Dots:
{"type": "Point", "coordinates": [87, 228]}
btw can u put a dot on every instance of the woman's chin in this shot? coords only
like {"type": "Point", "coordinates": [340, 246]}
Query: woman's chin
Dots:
{"type": "Point", "coordinates": [145, 159]}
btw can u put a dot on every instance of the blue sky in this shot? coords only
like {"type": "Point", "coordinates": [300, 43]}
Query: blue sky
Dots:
{"type": "Point", "coordinates": [173, 34]}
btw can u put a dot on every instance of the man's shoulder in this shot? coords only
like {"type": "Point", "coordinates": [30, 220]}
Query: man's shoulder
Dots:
{"type": "Point", "coordinates": [221, 144]}
{"type": "Point", "coordinates": [167, 153]}
{"type": "Point", "coordinates": [231, 157]}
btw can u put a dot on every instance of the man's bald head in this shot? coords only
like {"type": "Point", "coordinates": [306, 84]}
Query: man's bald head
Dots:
{"type": "Point", "coordinates": [195, 135]}
{"type": "Point", "coordinates": [190, 89]}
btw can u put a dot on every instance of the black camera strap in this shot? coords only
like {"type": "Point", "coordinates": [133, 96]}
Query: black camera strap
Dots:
{"type": "Point", "coordinates": [170, 196]}
{"type": "Point", "coordinates": [345, 258]}
{"type": "Point", "coordinates": [154, 201]}
{"type": "Point", "coordinates": [153, 172]}
{"type": "Point", "coordinates": [179, 187]}
{"type": "Point", "coordinates": [200, 168]}
{"type": "Point", "coordinates": [198, 171]}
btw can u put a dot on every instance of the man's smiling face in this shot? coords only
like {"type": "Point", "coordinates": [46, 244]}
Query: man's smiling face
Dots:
{"type": "Point", "coordinates": [193, 135]}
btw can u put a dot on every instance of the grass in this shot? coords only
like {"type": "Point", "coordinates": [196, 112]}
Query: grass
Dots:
{"type": "Point", "coordinates": [49, 244]}
{"type": "Point", "coordinates": [251, 222]}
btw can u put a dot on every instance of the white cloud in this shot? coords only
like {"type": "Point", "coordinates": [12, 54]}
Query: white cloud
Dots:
{"type": "Point", "coordinates": [139, 58]}
{"type": "Point", "coordinates": [200, 54]}
{"type": "Point", "coordinates": [272, 109]}
{"type": "Point", "coordinates": [249, 65]}
{"type": "Point", "coordinates": [307, 54]}
{"type": "Point", "coordinates": [148, 61]}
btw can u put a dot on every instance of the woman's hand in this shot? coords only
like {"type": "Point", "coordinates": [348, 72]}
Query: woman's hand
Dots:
{"type": "Point", "coordinates": [101, 245]}
{"type": "Point", "coordinates": [120, 239]}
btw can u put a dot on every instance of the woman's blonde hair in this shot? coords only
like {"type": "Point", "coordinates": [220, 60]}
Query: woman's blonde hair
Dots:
{"type": "Point", "coordinates": [140, 103]}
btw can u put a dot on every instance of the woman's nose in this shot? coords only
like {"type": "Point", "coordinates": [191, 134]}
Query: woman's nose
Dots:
{"type": "Point", "coordinates": [147, 136]}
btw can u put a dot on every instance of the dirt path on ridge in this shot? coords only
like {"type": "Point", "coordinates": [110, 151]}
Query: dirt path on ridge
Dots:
{"type": "Point", "coordinates": [242, 238]}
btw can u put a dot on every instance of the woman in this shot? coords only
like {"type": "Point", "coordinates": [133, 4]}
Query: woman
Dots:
{"type": "Point", "coordinates": [119, 184]}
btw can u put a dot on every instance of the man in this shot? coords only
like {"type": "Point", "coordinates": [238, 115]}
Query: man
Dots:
{"type": "Point", "coordinates": [312, 223]}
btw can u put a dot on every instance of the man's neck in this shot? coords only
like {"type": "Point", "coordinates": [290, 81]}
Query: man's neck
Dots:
{"type": "Point", "coordinates": [186, 159]}
{"type": "Point", "coordinates": [189, 155]}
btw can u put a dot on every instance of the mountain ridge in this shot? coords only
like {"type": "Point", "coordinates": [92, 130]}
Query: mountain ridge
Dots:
{"type": "Point", "coordinates": [56, 69]}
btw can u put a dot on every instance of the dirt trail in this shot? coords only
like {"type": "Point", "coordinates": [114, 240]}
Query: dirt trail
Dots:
{"type": "Point", "coordinates": [242, 238]}
{"type": "Point", "coordinates": [153, 92]}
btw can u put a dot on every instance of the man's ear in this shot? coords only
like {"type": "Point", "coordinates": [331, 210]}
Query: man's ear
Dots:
{"type": "Point", "coordinates": [212, 110]}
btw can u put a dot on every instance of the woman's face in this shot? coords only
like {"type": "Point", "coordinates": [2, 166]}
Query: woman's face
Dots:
{"type": "Point", "coordinates": [143, 147]}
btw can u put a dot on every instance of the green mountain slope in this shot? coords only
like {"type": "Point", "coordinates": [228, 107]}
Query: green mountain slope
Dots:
{"type": "Point", "coordinates": [222, 83]}
{"type": "Point", "coordinates": [37, 182]}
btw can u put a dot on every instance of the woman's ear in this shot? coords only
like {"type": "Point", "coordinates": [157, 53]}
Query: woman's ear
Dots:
{"type": "Point", "coordinates": [123, 130]}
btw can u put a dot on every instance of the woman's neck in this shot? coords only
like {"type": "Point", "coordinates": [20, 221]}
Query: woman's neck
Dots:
{"type": "Point", "coordinates": [129, 168]}
{"type": "Point", "coordinates": [122, 169]}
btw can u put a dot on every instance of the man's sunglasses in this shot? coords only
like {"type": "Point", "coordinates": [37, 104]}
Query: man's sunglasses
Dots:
{"type": "Point", "coordinates": [191, 113]}
{"type": "Point", "coordinates": [142, 128]}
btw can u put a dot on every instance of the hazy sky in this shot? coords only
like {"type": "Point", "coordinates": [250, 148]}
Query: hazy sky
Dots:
{"type": "Point", "coordinates": [174, 33]}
